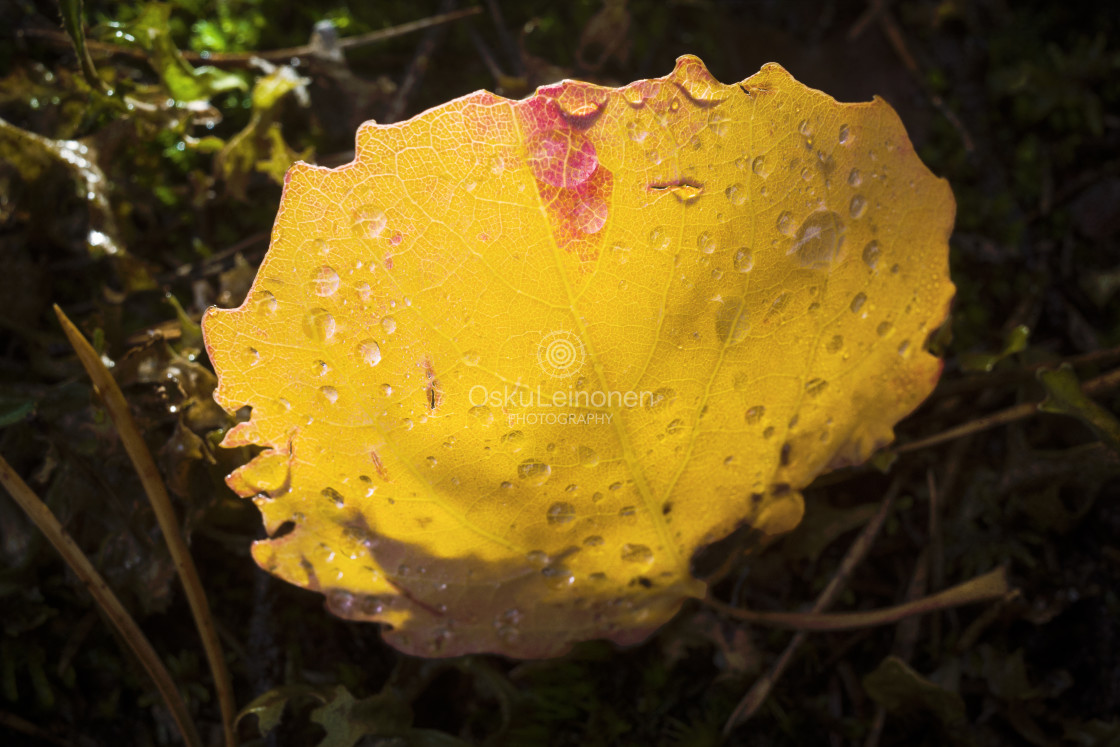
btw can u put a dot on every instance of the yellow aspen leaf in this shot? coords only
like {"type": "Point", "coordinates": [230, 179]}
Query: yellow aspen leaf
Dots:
{"type": "Point", "coordinates": [518, 361]}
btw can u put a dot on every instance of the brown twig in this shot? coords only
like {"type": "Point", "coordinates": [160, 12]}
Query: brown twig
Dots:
{"type": "Point", "coordinates": [985, 588]}
{"type": "Point", "coordinates": [1022, 411]}
{"type": "Point", "coordinates": [133, 442]}
{"type": "Point", "coordinates": [114, 611]}
{"type": "Point", "coordinates": [243, 59]}
{"type": "Point", "coordinates": [878, 11]}
{"type": "Point", "coordinates": [513, 52]}
{"type": "Point", "coordinates": [762, 687]}
{"type": "Point", "coordinates": [416, 69]}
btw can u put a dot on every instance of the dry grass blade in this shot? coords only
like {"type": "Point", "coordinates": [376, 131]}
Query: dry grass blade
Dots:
{"type": "Point", "coordinates": [761, 689]}
{"type": "Point", "coordinates": [986, 588]}
{"type": "Point", "coordinates": [114, 610]}
{"type": "Point", "coordinates": [1099, 385]}
{"type": "Point", "coordinates": [150, 477]}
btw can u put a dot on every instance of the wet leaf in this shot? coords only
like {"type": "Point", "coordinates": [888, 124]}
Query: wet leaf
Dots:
{"type": "Point", "coordinates": [897, 687]}
{"type": "Point", "coordinates": [823, 524]}
{"type": "Point", "coordinates": [1007, 674]}
{"type": "Point", "coordinates": [260, 146]}
{"type": "Point", "coordinates": [347, 719]}
{"type": "Point", "coordinates": [184, 81]}
{"type": "Point", "coordinates": [1015, 342]}
{"type": "Point", "coordinates": [1064, 397]}
{"type": "Point", "coordinates": [269, 706]}
{"type": "Point", "coordinates": [519, 361]}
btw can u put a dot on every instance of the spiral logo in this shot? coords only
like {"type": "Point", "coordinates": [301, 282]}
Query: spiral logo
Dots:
{"type": "Point", "coordinates": [560, 354]}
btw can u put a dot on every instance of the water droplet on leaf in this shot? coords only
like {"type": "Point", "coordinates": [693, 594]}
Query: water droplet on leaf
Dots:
{"type": "Point", "coordinates": [370, 352]}
{"type": "Point", "coordinates": [637, 554]}
{"type": "Point", "coordinates": [533, 473]}
{"type": "Point", "coordinates": [561, 513]}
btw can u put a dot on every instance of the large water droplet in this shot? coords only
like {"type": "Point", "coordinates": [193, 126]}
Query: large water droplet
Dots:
{"type": "Point", "coordinates": [562, 158]}
{"type": "Point", "coordinates": [660, 399]}
{"type": "Point", "coordinates": [370, 221]}
{"type": "Point", "coordinates": [370, 352]}
{"type": "Point", "coordinates": [858, 300]}
{"type": "Point", "coordinates": [561, 513]}
{"type": "Point", "coordinates": [330, 394]}
{"type": "Point", "coordinates": [871, 254]}
{"type": "Point", "coordinates": [636, 132]}
{"type": "Point", "coordinates": [558, 578]}
{"type": "Point", "coordinates": [514, 441]}
{"type": "Point", "coordinates": [835, 344]}
{"type": "Point", "coordinates": [758, 166]}
{"type": "Point", "coordinates": [779, 303]}
{"type": "Point", "coordinates": [815, 387]}
{"type": "Point", "coordinates": [620, 253]}
{"type": "Point", "coordinates": [319, 325]}
{"type": "Point", "coordinates": [687, 193]}
{"type": "Point", "coordinates": [389, 324]}
{"type": "Point", "coordinates": [636, 93]}
{"type": "Point", "coordinates": [637, 554]}
{"type": "Point", "coordinates": [785, 222]}
{"type": "Point", "coordinates": [884, 329]}
{"type": "Point", "coordinates": [736, 194]}
{"type": "Point", "coordinates": [732, 325]}
{"type": "Point", "coordinates": [706, 243]}
{"type": "Point", "coordinates": [334, 497]}
{"type": "Point", "coordinates": [533, 473]}
{"type": "Point", "coordinates": [858, 206]}
{"type": "Point", "coordinates": [818, 240]}
{"type": "Point", "coordinates": [590, 213]}
{"type": "Point", "coordinates": [855, 178]}
{"type": "Point", "coordinates": [659, 238]}
{"type": "Point", "coordinates": [743, 260]}
{"type": "Point", "coordinates": [326, 281]}
{"type": "Point", "coordinates": [754, 414]}
{"type": "Point", "coordinates": [265, 302]}
{"type": "Point", "coordinates": [581, 104]}
{"type": "Point", "coordinates": [588, 457]}
{"type": "Point", "coordinates": [845, 134]}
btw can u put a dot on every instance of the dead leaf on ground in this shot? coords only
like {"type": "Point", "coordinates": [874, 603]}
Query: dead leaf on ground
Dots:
{"type": "Point", "coordinates": [518, 361]}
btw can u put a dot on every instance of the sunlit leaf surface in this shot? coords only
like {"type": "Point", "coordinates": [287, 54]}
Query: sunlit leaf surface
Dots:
{"type": "Point", "coordinates": [518, 361]}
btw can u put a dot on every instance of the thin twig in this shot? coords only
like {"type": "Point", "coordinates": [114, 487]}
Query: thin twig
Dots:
{"type": "Point", "coordinates": [985, 588]}
{"type": "Point", "coordinates": [762, 687]}
{"type": "Point", "coordinates": [1099, 385]}
{"type": "Point", "coordinates": [145, 466]}
{"type": "Point", "coordinates": [513, 52]}
{"type": "Point", "coordinates": [244, 59]}
{"type": "Point", "coordinates": [487, 58]}
{"type": "Point", "coordinates": [416, 69]}
{"type": "Point", "coordinates": [116, 613]}
{"type": "Point", "coordinates": [878, 11]}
